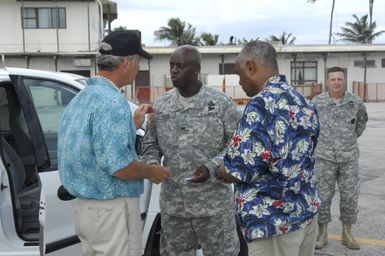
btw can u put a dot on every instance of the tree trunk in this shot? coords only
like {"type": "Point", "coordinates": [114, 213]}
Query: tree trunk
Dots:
{"type": "Point", "coordinates": [370, 14]}
{"type": "Point", "coordinates": [370, 11]}
{"type": "Point", "coordinates": [365, 67]}
{"type": "Point", "coordinates": [331, 22]}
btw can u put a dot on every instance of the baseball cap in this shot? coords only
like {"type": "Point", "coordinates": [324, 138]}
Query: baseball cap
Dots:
{"type": "Point", "coordinates": [123, 43]}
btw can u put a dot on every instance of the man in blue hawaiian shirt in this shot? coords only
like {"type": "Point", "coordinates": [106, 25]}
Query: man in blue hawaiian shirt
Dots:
{"type": "Point", "coordinates": [271, 159]}
{"type": "Point", "coordinates": [97, 158]}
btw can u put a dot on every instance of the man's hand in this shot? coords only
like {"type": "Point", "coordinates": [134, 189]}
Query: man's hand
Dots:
{"type": "Point", "coordinates": [140, 114]}
{"type": "Point", "coordinates": [225, 177]}
{"type": "Point", "coordinates": [201, 174]}
{"type": "Point", "coordinates": [159, 173]}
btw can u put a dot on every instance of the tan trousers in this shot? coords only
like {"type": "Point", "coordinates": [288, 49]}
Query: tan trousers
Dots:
{"type": "Point", "coordinates": [109, 227]}
{"type": "Point", "coordinates": [298, 243]}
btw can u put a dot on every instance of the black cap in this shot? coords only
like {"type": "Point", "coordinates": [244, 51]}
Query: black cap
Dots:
{"type": "Point", "coordinates": [123, 43]}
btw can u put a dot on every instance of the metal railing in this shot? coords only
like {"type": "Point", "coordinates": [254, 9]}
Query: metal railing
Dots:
{"type": "Point", "coordinates": [370, 92]}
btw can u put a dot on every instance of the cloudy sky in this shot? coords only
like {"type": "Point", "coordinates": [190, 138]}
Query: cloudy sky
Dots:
{"type": "Point", "coordinates": [247, 19]}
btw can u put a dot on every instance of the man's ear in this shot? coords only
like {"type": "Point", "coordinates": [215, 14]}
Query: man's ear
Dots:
{"type": "Point", "coordinates": [197, 68]}
{"type": "Point", "coordinates": [251, 67]}
{"type": "Point", "coordinates": [125, 61]}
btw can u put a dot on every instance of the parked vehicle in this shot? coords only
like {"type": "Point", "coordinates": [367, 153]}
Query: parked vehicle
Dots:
{"type": "Point", "coordinates": [34, 220]}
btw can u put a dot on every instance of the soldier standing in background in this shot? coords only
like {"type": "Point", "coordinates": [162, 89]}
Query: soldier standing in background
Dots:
{"type": "Point", "coordinates": [343, 119]}
{"type": "Point", "coordinates": [190, 128]}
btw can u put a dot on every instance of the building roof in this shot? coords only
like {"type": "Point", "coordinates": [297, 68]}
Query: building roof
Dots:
{"type": "Point", "coordinates": [228, 49]}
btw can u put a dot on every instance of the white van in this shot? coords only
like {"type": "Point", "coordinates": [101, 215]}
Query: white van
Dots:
{"type": "Point", "coordinates": [33, 219]}
{"type": "Point", "coordinates": [36, 212]}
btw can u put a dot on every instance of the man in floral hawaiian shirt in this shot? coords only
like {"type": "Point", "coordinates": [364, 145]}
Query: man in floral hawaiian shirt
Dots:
{"type": "Point", "coordinates": [271, 159]}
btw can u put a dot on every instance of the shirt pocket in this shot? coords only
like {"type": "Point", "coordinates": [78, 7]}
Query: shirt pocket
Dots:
{"type": "Point", "coordinates": [208, 133]}
{"type": "Point", "coordinates": [166, 130]}
{"type": "Point", "coordinates": [349, 117]}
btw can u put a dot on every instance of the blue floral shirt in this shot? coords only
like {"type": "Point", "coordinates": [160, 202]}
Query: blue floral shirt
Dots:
{"type": "Point", "coordinates": [272, 152]}
{"type": "Point", "coordinates": [96, 139]}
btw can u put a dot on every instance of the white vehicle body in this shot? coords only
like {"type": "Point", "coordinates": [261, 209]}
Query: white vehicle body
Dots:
{"type": "Point", "coordinates": [33, 219]}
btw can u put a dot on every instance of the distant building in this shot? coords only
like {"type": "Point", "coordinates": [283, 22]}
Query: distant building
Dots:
{"type": "Point", "coordinates": [302, 64]}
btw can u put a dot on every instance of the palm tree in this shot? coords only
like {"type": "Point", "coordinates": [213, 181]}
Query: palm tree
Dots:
{"type": "Point", "coordinates": [209, 39]}
{"type": "Point", "coordinates": [178, 32]}
{"type": "Point", "coordinates": [331, 19]}
{"type": "Point", "coordinates": [244, 41]}
{"type": "Point", "coordinates": [285, 38]}
{"type": "Point", "coordinates": [360, 32]}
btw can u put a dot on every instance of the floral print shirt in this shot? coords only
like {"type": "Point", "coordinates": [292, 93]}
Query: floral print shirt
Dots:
{"type": "Point", "coordinates": [96, 139]}
{"type": "Point", "coordinates": [272, 153]}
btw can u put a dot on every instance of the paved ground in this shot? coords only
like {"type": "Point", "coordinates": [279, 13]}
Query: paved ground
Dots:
{"type": "Point", "coordinates": [370, 228]}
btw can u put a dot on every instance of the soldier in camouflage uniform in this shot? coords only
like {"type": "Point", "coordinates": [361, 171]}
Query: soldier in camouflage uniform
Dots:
{"type": "Point", "coordinates": [190, 127]}
{"type": "Point", "coordinates": [343, 119]}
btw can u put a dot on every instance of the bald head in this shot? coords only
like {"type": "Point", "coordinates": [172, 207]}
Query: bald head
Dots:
{"type": "Point", "coordinates": [185, 66]}
{"type": "Point", "coordinates": [189, 53]}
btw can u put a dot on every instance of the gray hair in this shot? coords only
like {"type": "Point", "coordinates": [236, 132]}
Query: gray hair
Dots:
{"type": "Point", "coordinates": [260, 51]}
{"type": "Point", "coordinates": [108, 62]}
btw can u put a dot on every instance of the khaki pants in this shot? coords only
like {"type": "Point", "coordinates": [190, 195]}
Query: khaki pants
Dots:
{"type": "Point", "coordinates": [298, 243]}
{"type": "Point", "coordinates": [109, 227]}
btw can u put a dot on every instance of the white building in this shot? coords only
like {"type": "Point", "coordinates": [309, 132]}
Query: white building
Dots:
{"type": "Point", "coordinates": [53, 35]}
{"type": "Point", "coordinates": [302, 64]}
{"type": "Point", "coordinates": [64, 36]}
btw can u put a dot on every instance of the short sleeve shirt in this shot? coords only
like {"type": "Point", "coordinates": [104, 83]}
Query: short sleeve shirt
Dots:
{"type": "Point", "coordinates": [96, 139]}
{"type": "Point", "coordinates": [272, 152]}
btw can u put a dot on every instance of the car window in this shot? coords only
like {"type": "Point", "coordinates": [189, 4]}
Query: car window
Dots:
{"type": "Point", "coordinates": [50, 98]}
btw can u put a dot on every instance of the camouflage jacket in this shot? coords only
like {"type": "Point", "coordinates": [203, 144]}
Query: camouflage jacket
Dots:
{"type": "Point", "coordinates": [341, 125]}
{"type": "Point", "coordinates": [187, 139]}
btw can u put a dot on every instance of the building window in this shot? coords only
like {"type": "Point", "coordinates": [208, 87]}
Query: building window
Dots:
{"type": "Point", "coordinates": [43, 18]}
{"type": "Point", "coordinates": [227, 69]}
{"type": "Point", "coordinates": [303, 72]}
{"type": "Point", "coordinates": [383, 63]}
{"type": "Point", "coordinates": [142, 78]}
{"type": "Point", "coordinates": [369, 63]}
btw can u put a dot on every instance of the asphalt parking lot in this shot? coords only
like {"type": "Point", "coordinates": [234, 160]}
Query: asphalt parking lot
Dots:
{"type": "Point", "coordinates": [370, 227]}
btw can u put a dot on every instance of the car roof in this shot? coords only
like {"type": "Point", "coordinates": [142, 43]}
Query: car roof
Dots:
{"type": "Point", "coordinates": [69, 78]}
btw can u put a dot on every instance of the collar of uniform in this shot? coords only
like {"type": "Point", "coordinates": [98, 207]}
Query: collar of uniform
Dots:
{"type": "Point", "coordinates": [342, 100]}
{"type": "Point", "coordinates": [107, 81]}
{"type": "Point", "coordinates": [198, 102]}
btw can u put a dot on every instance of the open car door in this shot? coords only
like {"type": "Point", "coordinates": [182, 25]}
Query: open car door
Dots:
{"type": "Point", "coordinates": [41, 101]}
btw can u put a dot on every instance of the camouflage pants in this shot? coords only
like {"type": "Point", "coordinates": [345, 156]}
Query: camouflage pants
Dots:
{"type": "Point", "coordinates": [217, 235]}
{"type": "Point", "coordinates": [347, 177]}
